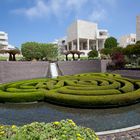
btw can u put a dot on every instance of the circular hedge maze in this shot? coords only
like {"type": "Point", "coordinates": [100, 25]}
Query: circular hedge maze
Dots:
{"type": "Point", "coordinates": [82, 90]}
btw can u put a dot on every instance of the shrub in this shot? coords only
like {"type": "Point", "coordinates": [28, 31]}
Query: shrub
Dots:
{"type": "Point", "coordinates": [81, 90]}
{"type": "Point", "coordinates": [118, 60]}
{"type": "Point", "coordinates": [93, 54]}
{"type": "Point", "coordinates": [63, 130]}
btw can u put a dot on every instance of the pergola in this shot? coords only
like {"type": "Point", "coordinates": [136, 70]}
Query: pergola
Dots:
{"type": "Point", "coordinates": [12, 53]}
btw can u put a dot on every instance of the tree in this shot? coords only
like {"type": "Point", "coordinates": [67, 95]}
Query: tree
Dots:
{"type": "Point", "coordinates": [49, 51]}
{"type": "Point", "coordinates": [106, 51]}
{"type": "Point", "coordinates": [31, 50]}
{"type": "Point", "coordinates": [138, 42]}
{"type": "Point", "coordinates": [93, 54]}
{"type": "Point", "coordinates": [110, 42]}
{"type": "Point", "coordinates": [39, 51]}
{"type": "Point", "coordinates": [117, 49]}
{"type": "Point", "coordinates": [118, 59]}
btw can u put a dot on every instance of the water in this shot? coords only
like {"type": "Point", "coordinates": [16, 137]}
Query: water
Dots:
{"type": "Point", "coordinates": [97, 119]}
{"type": "Point", "coordinates": [53, 70]}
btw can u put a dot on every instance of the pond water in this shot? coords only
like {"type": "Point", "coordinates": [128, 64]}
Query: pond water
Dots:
{"type": "Point", "coordinates": [97, 119]}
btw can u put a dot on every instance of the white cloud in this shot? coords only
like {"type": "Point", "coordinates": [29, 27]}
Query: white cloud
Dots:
{"type": "Point", "coordinates": [94, 10]}
{"type": "Point", "coordinates": [39, 10]}
{"type": "Point", "coordinates": [97, 15]}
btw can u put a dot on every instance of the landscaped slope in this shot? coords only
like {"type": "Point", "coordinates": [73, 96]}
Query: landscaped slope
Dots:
{"type": "Point", "coordinates": [83, 90]}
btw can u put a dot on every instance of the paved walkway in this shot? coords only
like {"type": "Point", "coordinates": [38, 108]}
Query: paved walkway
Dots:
{"type": "Point", "coordinates": [133, 134]}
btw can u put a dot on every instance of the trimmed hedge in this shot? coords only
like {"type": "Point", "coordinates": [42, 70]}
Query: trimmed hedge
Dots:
{"type": "Point", "coordinates": [81, 90]}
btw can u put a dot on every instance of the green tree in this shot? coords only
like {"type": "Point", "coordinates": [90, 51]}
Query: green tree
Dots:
{"type": "Point", "coordinates": [138, 42]}
{"type": "Point", "coordinates": [110, 42]}
{"type": "Point", "coordinates": [39, 51]}
{"type": "Point", "coordinates": [117, 50]}
{"type": "Point", "coordinates": [106, 51]}
{"type": "Point", "coordinates": [31, 50]}
{"type": "Point", "coordinates": [93, 54]}
{"type": "Point", "coordinates": [49, 52]}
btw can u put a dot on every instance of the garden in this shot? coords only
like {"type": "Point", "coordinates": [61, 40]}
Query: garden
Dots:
{"type": "Point", "coordinates": [82, 90]}
{"type": "Point", "coordinates": [79, 91]}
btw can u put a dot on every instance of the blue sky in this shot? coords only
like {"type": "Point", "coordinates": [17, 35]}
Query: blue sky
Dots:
{"type": "Point", "coordinates": [47, 20]}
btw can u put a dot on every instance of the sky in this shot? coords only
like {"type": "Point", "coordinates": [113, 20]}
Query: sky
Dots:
{"type": "Point", "coordinates": [47, 20]}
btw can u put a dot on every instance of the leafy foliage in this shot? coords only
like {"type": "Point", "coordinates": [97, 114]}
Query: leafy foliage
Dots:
{"type": "Point", "coordinates": [63, 130]}
{"type": "Point", "coordinates": [93, 54]}
{"type": "Point", "coordinates": [118, 59]}
{"type": "Point", "coordinates": [110, 42]}
{"type": "Point", "coordinates": [39, 51]}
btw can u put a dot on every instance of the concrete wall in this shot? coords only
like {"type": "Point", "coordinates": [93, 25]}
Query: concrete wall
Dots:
{"type": "Point", "coordinates": [13, 71]}
{"type": "Point", "coordinates": [72, 32]}
{"type": "Point", "coordinates": [76, 67]}
{"type": "Point", "coordinates": [86, 29]}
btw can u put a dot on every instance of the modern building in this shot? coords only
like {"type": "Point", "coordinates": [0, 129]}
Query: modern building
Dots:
{"type": "Point", "coordinates": [127, 40]}
{"type": "Point", "coordinates": [3, 40]}
{"type": "Point", "coordinates": [84, 36]}
{"type": "Point", "coordinates": [138, 28]}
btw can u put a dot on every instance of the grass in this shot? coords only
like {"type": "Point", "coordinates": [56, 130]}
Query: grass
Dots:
{"type": "Point", "coordinates": [5, 58]}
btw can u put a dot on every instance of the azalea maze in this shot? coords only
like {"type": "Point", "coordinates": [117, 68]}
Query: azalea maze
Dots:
{"type": "Point", "coordinates": [82, 90]}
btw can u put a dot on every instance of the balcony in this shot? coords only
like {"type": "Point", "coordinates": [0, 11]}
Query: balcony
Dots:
{"type": "Point", "coordinates": [5, 43]}
{"type": "Point", "coordinates": [102, 34]}
{"type": "Point", "coordinates": [3, 37]}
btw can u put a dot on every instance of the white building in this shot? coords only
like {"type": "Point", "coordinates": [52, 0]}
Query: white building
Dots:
{"type": "Point", "coordinates": [84, 36]}
{"type": "Point", "coordinates": [3, 40]}
{"type": "Point", "coordinates": [138, 28]}
{"type": "Point", "coordinates": [127, 40]}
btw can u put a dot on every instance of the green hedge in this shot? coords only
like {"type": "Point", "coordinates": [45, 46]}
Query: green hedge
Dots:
{"type": "Point", "coordinates": [81, 90]}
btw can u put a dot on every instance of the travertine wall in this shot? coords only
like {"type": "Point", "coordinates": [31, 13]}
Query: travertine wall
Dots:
{"type": "Point", "coordinates": [13, 71]}
{"type": "Point", "coordinates": [76, 67]}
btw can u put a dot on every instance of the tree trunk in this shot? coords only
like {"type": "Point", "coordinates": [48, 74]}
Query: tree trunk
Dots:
{"type": "Point", "coordinates": [10, 57]}
{"type": "Point", "coordinates": [73, 56]}
{"type": "Point", "coordinates": [14, 58]}
{"type": "Point", "coordinates": [66, 57]}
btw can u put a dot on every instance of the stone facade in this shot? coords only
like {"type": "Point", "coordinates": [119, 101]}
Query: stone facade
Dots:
{"type": "Point", "coordinates": [127, 40]}
{"type": "Point", "coordinates": [84, 36]}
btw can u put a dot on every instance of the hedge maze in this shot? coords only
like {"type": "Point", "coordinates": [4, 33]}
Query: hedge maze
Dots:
{"type": "Point", "coordinates": [82, 90]}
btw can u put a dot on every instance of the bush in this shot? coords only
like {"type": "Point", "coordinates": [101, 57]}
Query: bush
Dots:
{"type": "Point", "coordinates": [118, 60]}
{"type": "Point", "coordinates": [63, 130]}
{"type": "Point", "coordinates": [39, 51]}
{"type": "Point", "coordinates": [81, 90]}
{"type": "Point", "coordinates": [93, 54]}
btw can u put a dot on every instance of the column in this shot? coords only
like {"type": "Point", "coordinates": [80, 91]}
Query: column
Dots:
{"type": "Point", "coordinates": [72, 45]}
{"type": "Point", "coordinates": [67, 46]}
{"type": "Point", "coordinates": [77, 44]}
{"type": "Point", "coordinates": [87, 44]}
{"type": "Point", "coordinates": [97, 45]}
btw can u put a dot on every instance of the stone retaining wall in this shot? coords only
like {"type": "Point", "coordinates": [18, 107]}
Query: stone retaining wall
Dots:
{"type": "Point", "coordinates": [76, 67]}
{"type": "Point", "coordinates": [13, 71]}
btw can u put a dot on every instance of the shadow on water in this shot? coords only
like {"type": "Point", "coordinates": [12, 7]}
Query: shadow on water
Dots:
{"type": "Point", "coordinates": [98, 119]}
